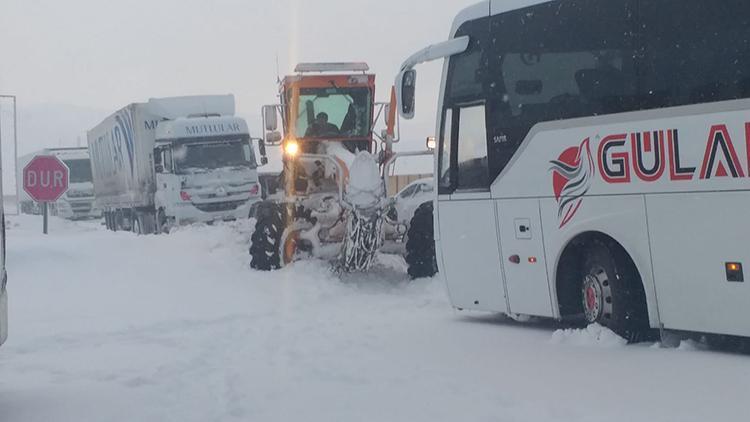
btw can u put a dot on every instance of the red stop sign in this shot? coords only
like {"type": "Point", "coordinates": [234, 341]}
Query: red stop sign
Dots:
{"type": "Point", "coordinates": [45, 178]}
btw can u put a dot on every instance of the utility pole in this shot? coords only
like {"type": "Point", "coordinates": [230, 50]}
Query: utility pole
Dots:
{"type": "Point", "coordinates": [15, 145]}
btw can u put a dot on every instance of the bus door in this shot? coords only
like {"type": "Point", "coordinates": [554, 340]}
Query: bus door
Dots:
{"type": "Point", "coordinates": [467, 215]}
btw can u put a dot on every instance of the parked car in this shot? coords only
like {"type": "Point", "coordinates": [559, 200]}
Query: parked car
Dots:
{"type": "Point", "coordinates": [408, 199]}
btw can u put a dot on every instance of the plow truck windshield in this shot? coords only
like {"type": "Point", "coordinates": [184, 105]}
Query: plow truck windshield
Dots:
{"type": "Point", "coordinates": [334, 113]}
{"type": "Point", "coordinates": [201, 157]}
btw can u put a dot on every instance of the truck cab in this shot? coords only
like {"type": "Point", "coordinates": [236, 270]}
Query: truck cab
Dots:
{"type": "Point", "coordinates": [205, 169]}
{"type": "Point", "coordinates": [78, 202]}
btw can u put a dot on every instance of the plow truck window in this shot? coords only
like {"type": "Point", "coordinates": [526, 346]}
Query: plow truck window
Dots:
{"type": "Point", "coordinates": [334, 112]}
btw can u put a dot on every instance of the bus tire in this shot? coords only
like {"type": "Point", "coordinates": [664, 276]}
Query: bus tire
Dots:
{"type": "Point", "coordinates": [420, 243]}
{"type": "Point", "coordinates": [612, 292]}
{"type": "Point", "coordinates": [265, 243]}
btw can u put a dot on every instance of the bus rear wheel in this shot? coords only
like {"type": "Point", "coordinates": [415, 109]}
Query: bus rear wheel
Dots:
{"type": "Point", "coordinates": [612, 292]}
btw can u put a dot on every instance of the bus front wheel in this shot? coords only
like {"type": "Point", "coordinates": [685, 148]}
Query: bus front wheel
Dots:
{"type": "Point", "coordinates": [612, 292]}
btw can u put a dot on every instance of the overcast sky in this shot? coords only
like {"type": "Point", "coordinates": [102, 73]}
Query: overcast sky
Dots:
{"type": "Point", "coordinates": [105, 54]}
{"type": "Point", "coordinates": [100, 55]}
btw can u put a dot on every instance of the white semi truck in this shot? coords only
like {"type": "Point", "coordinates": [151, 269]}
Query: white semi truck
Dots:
{"type": "Point", "coordinates": [173, 161]}
{"type": "Point", "coordinates": [593, 162]}
{"type": "Point", "coordinates": [78, 202]}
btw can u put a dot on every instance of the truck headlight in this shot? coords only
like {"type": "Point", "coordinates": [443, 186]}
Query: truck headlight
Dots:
{"type": "Point", "coordinates": [291, 148]}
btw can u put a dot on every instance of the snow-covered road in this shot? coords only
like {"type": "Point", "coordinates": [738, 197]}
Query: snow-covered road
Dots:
{"type": "Point", "coordinates": [115, 327]}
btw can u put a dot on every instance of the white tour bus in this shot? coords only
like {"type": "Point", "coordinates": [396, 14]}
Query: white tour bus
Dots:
{"type": "Point", "coordinates": [594, 161]}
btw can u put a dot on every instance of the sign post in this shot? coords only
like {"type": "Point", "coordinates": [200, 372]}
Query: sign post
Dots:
{"type": "Point", "coordinates": [46, 179]}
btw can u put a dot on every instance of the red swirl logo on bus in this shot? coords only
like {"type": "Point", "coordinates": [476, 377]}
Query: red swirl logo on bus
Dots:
{"type": "Point", "coordinates": [572, 174]}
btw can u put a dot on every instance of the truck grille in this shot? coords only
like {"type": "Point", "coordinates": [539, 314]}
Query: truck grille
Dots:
{"type": "Point", "coordinates": [81, 207]}
{"type": "Point", "coordinates": [220, 206]}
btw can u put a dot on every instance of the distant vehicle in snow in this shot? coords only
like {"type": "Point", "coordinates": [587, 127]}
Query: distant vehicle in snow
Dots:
{"type": "Point", "coordinates": [404, 205]}
{"type": "Point", "coordinates": [408, 199]}
{"type": "Point", "coordinates": [592, 162]}
{"type": "Point", "coordinates": [173, 161]}
{"type": "Point", "coordinates": [3, 274]}
{"type": "Point", "coordinates": [78, 202]}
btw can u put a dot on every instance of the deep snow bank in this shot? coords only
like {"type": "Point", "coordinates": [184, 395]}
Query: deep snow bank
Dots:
{"type": "Point", "coordinates": [114, 327]}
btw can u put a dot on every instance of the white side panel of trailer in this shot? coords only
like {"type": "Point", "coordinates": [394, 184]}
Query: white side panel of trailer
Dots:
{"type": "Point", "coordinates": [121, 154]}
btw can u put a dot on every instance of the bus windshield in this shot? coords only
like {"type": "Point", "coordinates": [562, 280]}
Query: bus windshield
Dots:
{"type": "Point", "coordinates": [334, 113]}
{"type": "Point", "coordinates": [200, 157]}
{"type": "Point", "coordinates": [80, 170]}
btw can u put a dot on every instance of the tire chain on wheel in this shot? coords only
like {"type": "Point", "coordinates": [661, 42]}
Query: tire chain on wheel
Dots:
{"type": "Point", "coordinates": [363, 239]}
{"type": "Point", "coordinates": [629, 317]}
{"type": "Point", "coordinates": [265, 242]}
{"type": "Point", "coordinates": [420, 243]}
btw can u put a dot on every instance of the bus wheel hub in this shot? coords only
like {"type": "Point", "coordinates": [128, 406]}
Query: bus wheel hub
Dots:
{"type": "Point", "coordinates": [592, 298]}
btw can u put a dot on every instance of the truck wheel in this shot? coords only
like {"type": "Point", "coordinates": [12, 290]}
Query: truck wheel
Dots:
{"type": "Point", "coordinates": [117, 218]}
{"type": "Point", "coordinates": [149, 222]}
{"type": "Point", "coordinates": [265, 243]}
{"type": "Point", "coordinates": [420, 243]}
{"type": "Point", "coordinates": [109, 219]}
{"type": "Point", "coordinates": [162, 224]}
{"type": "Point", "coordinates": [136, 224]}
{"type": "Point", "coordinates": [612, 292]}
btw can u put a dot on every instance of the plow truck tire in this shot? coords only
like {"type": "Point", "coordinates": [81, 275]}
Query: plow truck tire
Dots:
{"type": "Point", "coordinates": [265, 243]}
{"type": "Point", "coordinates": [420, 243]}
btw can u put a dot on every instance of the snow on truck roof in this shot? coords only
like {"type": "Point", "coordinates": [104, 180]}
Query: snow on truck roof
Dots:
{"type": "Point", "coordinates": [332, 67]}
{"type": "Point", "coordinates": [196, 105]}
{"type": "Point", "coordinates": [69, 153]}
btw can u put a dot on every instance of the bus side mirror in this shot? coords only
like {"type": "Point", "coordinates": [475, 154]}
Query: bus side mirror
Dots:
{"type": "Point", "coordinates": [406, 84]}
{"type": "Point", "coordinates": [270, 120]}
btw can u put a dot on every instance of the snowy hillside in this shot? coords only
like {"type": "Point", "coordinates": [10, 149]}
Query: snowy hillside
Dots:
{"type": "Point", "coordinates": [113, 327]}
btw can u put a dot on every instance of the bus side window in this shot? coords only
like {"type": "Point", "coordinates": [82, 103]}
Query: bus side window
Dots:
{"type": "Point", "coordinates": [471, 142]}
{"type": "Point", "coordinates": [693, 52]}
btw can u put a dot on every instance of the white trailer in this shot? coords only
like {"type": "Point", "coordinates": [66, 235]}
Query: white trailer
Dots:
{"type": "Point", "coordinates": [594, 162]}
{"type": "Point", "coordinates": [173, 161]}
{"type": "Point", "coordinates": [78, 202]}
